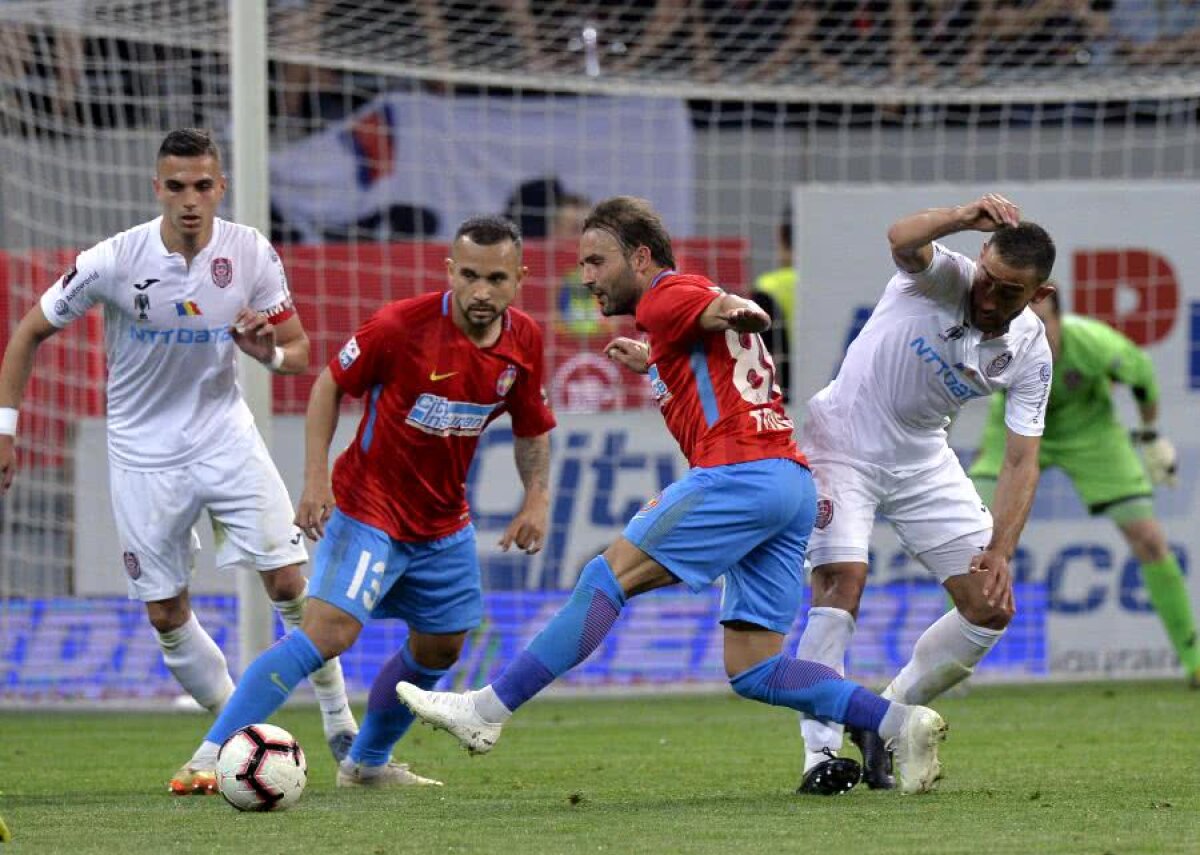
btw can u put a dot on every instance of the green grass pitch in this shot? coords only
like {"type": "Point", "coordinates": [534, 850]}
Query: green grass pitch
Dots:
{"type": "Point", "coordinates": [1092, 768]}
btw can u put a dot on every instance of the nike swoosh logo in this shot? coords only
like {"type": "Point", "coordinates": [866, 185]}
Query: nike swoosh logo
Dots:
{"type": "Point", "coordinates": [278, 681]}
{"type": "Point", "coordinates": [434, 376]}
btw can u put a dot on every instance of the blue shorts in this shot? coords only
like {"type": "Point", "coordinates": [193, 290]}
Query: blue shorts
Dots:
{"type": "Point", "coordinates": [748, 522]}
{"type": "Point", "coordinates": [433, 586]}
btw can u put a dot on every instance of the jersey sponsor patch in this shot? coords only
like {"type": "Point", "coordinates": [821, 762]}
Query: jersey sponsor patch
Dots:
{"type": "Point", "coordinates": [824, 513]}
{"type": "Point", "coordinates": [437, 415]}
{"type": "Point", "coordinates": [996, 367]}
{"type": "Point", "coordinates": [348, 353]}
{"type": "Point", "coordinates": [133, 567]}
{"type": "Point", "coordinates": [506, 379]}
{"type": "Point", "coordinates": [222, 272]}
{"type": "Point", "coordinates": [1045, 371]}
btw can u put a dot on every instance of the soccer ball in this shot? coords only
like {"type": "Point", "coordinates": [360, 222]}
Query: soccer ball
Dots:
{"type": "Point", "coordinates": [261, 767]}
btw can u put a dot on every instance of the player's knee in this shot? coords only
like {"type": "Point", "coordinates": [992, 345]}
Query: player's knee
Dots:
{"type": "Point", "coordinates": [436, 652]}
{"type": "Point", "coordinates": [839, 585]}
{"type": "Point", "coordinates": [168, 615]}
{"type": "Point", "coordinates": [284, 584]}
{"type": "Point", "coordinates": [987, 616]}
{"type": "Point", "coordinates": [1147, 541]}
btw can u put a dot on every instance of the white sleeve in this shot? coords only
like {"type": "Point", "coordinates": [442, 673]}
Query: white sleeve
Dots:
{"type": "Point", "coordinates": [946, 279]}
{"type": "Point", "coordinates": [82, 285]}
{"type": "Point", "coordinates": [1025, 408]}
{"type": "Point", "coordinates": [270, 293]}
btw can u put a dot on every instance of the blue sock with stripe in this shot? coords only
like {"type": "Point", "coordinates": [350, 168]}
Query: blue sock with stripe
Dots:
{"type": "Point", "coordinates": [569, 638]}
{"type": "Point", "coordinates": [266, 684]}
{"type": "Point", "coordinates": [813, 689]}
{"type": "Point", "coordinates": [387, 719]}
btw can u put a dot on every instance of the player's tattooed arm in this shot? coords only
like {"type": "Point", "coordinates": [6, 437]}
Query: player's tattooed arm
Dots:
{"type": "Point", "coordinates": [730, 312]}
{"type": "Point", "coordinates": [528, 528]}
{"type": "Point", "coordinates": [911, 238]}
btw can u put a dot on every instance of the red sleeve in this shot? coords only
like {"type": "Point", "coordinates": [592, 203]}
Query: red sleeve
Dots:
{"type": "Point", "coordinates": [362, 362]}
{"type": "Point", "coordinates": [531, 414]}
{"type": "Point", "coordinates": [671, 311]}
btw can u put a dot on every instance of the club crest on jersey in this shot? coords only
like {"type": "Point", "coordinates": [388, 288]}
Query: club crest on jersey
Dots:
{"type": "Point", "coordinates": [824, 513]}
{"type": "Point", "coordinates": [133, 567]}
{"type": "Point", "coordinates": [348, 353]}
{"type": "Point", "coordinates": [996, 367]}
{"type": "Point", "coordinates": [504, 382]}
{"type": "Point", "coordinates": [222, 272]}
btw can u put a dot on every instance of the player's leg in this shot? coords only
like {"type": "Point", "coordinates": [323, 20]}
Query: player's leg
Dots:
{"type": "Point", "coordinates": [1163, 578]}
{"type": "Point", "coordinates": [439, 597]}
{"type": "Point", "coordinates": [154, 514]}
{"type": "Point", "coordinates": [351, 571]}
{"type": "Point", "coordinates": [762, 592]}
{"type": "Point", "coordinates": [847, 496]}
{"type": "Point", "coordinates": [253, 516]}
{"type": "Point", "coordinates": [675, 529]}
{"type": "Point", "coordinates": [1111, 480]}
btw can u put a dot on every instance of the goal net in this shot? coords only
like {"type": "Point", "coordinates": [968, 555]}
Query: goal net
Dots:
{"type": "Point", "coordinates": [389, 122]}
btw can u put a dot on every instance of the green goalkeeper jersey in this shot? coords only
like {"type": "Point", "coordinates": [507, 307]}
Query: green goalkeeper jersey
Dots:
{"type": "Point", "coordinates": [1091, 357]}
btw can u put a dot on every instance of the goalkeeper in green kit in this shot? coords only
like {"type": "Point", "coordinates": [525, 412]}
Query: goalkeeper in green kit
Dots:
{"type": "Point", "coordinates": [1084, 438]}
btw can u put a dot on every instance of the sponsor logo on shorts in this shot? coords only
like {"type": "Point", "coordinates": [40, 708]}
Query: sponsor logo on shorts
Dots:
{"type": "Point", "coordinates": [222, 272]}
{"type": "Point", "coordinates": [996, 367]}
{"type": "Point", "coordinates": [824, 513]}
{"type": "Point", "coordinates": [348, 353]}
{"type": "Point", "coordinates": [133, 567]}
{"type": "Point", "coordinates": [504, 382]}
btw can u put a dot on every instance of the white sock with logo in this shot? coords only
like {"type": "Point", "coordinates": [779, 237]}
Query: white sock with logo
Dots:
{"type": "Point", "coordinates": [328, 682]}
{"type": "Point", "coordinates": [944, 655]}
{"type": "Point", "coordinates": [827, 634]}
{"type": "Point", "coordinates": [197, 663]}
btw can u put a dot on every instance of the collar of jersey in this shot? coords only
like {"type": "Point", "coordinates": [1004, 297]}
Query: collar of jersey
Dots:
{"type": "Point", "coordinates": [212, 241]}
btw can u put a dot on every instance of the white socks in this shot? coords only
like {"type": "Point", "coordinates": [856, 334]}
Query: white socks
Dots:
{"type": "Point", "coordinates": [944, 655]}
{"type": "Point", "coordinates": [489, 706]}
{"type": "Point", "coordinates": [327, 681]}
{"type": "Point", "coordinates": [197, 663]}
{"type": "Point", "coordinates": [827, 634]}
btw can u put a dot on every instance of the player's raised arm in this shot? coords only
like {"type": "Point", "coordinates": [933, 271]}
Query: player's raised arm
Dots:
{"type": "Point", "coordinates": [911, 238]}
{"type": "Point", "coordinates": [14, 377]}
{"type": "Point", "coordinates": [731, 312]}
{"type": "Point", "coordinates": [320, 423]}
{"type": "Point", "coordinates": [528, 528]}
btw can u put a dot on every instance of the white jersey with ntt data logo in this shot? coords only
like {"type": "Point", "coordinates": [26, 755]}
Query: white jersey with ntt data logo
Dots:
{"type": "Point", "coordinates": [917, 361]}
{"type": "Point", "coordinates": [173, 395]}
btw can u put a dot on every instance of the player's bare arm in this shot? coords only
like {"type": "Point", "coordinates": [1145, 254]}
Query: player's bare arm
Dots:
{"type": "Point", "coordinates": [320, 423]}
{"type": "Point", "coordinates": [912, 237]}
{"type": "Point", "coordinates": [14, 377]}
{"type": "Point", "coordinates": [633, 354]}
{"type": "Point", "coordinates": [731, 312]}
{"type": "Point", "coordinates": [528, 528]}
{"type": "Point", "coordinates": [1015, 487]}
{"type": "Point", "coordinates": [254, 333]}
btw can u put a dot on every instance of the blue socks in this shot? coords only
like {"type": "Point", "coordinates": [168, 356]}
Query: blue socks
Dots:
{"type": "Point", "coordinates": [266, 684]}
{"type": "Point", "coordinates": [569, 638]}
{"type": "Point", "coordinates": [387, 719]}
{"type": "Point", "coordinates": [813, 689]}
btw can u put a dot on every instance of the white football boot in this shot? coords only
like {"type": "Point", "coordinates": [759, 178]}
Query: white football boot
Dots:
{"type": "Point", "coordinates": [914, 751]}
{"type": "Point", "coordinates": [452, 712]}
{"type": "Point", "coordinates": [351, 774]}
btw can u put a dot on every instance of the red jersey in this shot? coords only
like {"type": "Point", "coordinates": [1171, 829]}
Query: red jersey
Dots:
{"type": "Point", "coordinates": [716, 389]}
{"type": "Point", "coordinates": [431, 392]}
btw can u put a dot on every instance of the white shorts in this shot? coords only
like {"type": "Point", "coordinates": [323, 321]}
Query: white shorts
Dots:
{"type": "Point", "coordinates": [928, 507]}
{"type": "Point", "coordinates": [247, 504]}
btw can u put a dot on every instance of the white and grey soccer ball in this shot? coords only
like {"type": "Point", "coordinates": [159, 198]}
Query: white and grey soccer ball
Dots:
{"type": "Point", "coordinates": [261, 767]}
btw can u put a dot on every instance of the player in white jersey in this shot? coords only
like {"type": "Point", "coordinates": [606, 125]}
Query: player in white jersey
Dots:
{"type": "Point", "coordinates": [947, 329]}
{"type": "Point", "coordinates": [181, 295]}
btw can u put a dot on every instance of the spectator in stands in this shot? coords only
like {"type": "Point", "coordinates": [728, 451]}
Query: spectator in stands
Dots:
{"type": "Point", "coordinates": [25, 52]}
{"type": "Point", "coordinates": [578, 313]}
{"type": "Point", "coordinates": [939, 41]}
{"type": "Point", "coordinates": [1040, 33]}
{"type": "Point", "coordinates": [1142, 33]}
{"type": "Point", "coordinates": [775, 293]}
{"type": "Point", "coordinates": [302, 88]}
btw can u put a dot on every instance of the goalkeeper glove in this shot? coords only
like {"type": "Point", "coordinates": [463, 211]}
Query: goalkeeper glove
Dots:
{"type": "Point", "coordinates": [1159, 456]}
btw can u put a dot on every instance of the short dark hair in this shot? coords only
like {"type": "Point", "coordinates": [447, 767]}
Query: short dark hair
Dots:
{"type": "Point", "coordinates": [189, 142]}
{"type": "Point", "coordinates": [1025, 246]}
{"type": "Point", "coordinates": [489, 230]}
{"type": "Point", "coordinates": [633, 222]}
